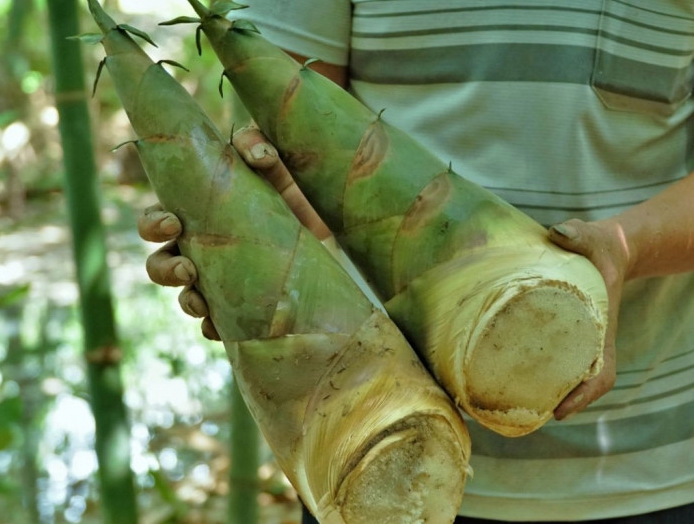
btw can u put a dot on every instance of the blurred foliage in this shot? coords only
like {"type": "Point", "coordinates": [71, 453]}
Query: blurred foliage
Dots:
{"type": "Point", "coordinates": [177, 383]}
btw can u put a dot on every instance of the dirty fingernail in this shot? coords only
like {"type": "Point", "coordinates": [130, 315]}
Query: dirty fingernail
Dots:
{"type": "Point", "coordinates": [169, 225]}
{"type": "Point", "coordinates": [182, 273]}
{"type": "Point", "coordinates": [259, 151]}
{"type": "Point", "coordinates": [566, 231]}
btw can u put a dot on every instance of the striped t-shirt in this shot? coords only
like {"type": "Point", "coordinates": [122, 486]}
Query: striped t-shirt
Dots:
{"type": "Point", "coordinates": [565, 108]}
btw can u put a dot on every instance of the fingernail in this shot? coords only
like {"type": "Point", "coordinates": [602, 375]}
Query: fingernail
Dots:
{"type": "Point", "coordinates": [566, 231]}
{"type": "Point", "coordinates": [182, 273]}
{"type": "Point", "coordinates": [169, 225]}
{"type": "Point", "coordinates": [259, 151]}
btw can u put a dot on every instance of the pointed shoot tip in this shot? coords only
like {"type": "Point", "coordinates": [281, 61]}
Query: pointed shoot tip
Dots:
{"type": "Point", "coordinates": [200, 9]}
{"type": "Point", "coordinates": [105, 22]}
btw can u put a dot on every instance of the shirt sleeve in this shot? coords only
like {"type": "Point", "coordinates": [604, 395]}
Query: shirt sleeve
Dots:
{"type": "Point", "coordinates": [312, 28]}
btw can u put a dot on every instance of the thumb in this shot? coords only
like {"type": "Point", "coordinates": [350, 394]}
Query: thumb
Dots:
{"type": "Point", "coordinates": [572, 235]}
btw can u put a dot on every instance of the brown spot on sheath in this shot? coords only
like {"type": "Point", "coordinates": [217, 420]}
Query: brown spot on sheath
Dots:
{"type": "Point", "coordinates": [428, 204]}
{"type": "Point", "coordinates": [299, 161]}
{"type": "Point", "coordinates": [160, 138]}
{"type": "Point", "coordinates": [370, 153]}
{"type": "Point", "coordinates": [212, 240]}
{"type": "Point", "coordinates": [291, 88]}
{"type": "Point", "coordinates": [288, 96]}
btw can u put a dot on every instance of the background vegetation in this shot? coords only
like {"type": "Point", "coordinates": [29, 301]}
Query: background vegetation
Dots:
{"type": "Point", "coordinates": [177, 386]}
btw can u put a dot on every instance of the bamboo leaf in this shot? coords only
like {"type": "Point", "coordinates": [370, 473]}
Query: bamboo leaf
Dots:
{"type": "Point", "coordinates": [14, 295]}
{"type": "Point", "coordinates": [137, 32]}
{"type": "Point", "coordinates": [245, 25]}
{"type": "Point", "coordinates": [182, 20]}
{"type": "Point", "coordinates": [88, 38]}
{"type": "Point", "coordinates": [174, 63]}
{"type": "Point", "coordinates": [116, 148]}
{"type": "Point", "coordinates": [221, 84]}
{"type": "Point", "coordinates": [222, 8]}
{"type": "Point", "coordinates": [309, 62]}
{"type": "Point", "coordinates": [7, 117]}
{"type": "Point", "coordinates": [98, 75]}
{"type": "Point", "coordinates": [198, 43]}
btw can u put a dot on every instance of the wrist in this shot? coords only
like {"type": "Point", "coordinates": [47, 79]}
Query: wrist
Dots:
{"type": "Point", "coordinates": [625, 239]}
{"type": "Point", "coordinates": [619, 248]}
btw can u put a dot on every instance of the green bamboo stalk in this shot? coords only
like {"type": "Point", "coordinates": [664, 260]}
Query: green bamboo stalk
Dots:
{"type": "Point", "coordinates": [245, 461]}
{"type": "Point", "coordinates": [13, 304]}
{"type": "Point", "coordinates": [19, 12]}
{"type": "Point", "coordinates": [100, 340]}
{"type": "Point", "coordinates": [507, 322]}
{"type": "Point", "coordinates": [245, 439]}
{"type": "Point", "coordinates": [14, 102]}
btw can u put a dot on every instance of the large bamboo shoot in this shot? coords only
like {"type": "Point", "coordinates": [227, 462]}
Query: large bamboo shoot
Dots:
{"type": "Point", "coordinates": [355, 421]}
{"type": "Point", "coordinates": [506, 321]}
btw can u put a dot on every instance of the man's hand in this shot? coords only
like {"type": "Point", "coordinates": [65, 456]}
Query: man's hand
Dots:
{"type": "Point", "coordinates": [653, 238]}
{"type": "Point", "coordinates": [604, 245]}
{"type": "Point", "coordinates": [167, 267]}
{"type": "Point", "coordinates": [260, 155]}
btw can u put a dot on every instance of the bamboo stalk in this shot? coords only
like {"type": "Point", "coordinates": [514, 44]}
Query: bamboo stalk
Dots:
{"type": "Point", "coordinates": [245, 441]}
{"type": "Point", "coordinates": [96, 306]}
{"type": "Point", "coordinates": [245, 461]}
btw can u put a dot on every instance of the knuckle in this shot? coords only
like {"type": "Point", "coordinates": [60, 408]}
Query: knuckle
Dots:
{"type": "Point", "coordinates": [152, 209]}
{"type": "Point", "coordinates": [151, 267]}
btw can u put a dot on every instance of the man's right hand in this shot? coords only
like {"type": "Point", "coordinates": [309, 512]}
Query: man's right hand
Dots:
{"type": "Point", "coordinates": [167, 267]}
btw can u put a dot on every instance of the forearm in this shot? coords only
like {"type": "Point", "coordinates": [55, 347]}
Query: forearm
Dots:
{"type": "Point", "coordinates": [658, 235]}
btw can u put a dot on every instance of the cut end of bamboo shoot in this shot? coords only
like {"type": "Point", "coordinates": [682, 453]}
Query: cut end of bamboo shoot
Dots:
{"type": "Point", "coordinates": [357, 423]}
{"type": "Point", "coordinates": [391, 461]}
{"type": "Point", "coordinates": [545, 333]}
{"type": "Point", "coordinates": [413, 475]}
{"type": "Point", "coordinates": [508, 332]}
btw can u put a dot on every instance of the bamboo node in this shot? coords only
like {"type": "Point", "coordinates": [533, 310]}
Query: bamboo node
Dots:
{"type": "Point", "coordinates": [106, 355]}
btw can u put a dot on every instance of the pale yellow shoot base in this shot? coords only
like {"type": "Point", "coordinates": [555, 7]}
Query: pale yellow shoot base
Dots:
{"type": "Point", "coordinates": [544, 334]}
{"type": "Point", "coordinates": [508, 332]}
{"type": "Point", "coordinates": [411, 476]}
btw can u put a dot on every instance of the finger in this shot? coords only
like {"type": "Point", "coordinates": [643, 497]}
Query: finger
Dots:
{"type": "Point", "coordinates": [208, 329]}
{"type": "Point", "coordinates": [167, 268]}
{"type": "Point", "coordinates": [303, 210]}
{"type": "Point", "coordinates": [262, 156]}
{"type": "Point", "coordinates": [571, 235]}
{"type": "Point", "coordinates": [258, 153]}
{"type": "Point", "coordinates": [157, 225]}
{"type": "Point", "coordinates": [255, 148]}
{"type": "Point", "coordinates": [574, 402]}
{"type": "Point", "coordinates": [590, 390]}
{"type": "Point", "coordinates": [193, 303]}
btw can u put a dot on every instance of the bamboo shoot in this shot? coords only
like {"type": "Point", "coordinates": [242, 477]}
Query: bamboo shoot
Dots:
{"type": "Point", "coordinates": [357, 424]}
{"type": "Point", "coordinates": [506, 321]}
